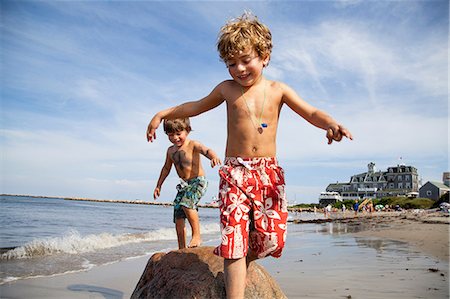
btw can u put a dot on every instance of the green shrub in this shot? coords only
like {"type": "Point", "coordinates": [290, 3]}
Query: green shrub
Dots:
{"type": "Point", "coordinates": [305, 206]}
{"type": "Point", "coordinates": [385, 201]}
{"type": "Point", "coordinates": [412, 203]}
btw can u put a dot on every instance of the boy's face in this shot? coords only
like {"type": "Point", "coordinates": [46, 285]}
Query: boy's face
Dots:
{"type": "Point", "coordinates": [246, 67]}
{"type": "Point", "coordinates": [178, 138]}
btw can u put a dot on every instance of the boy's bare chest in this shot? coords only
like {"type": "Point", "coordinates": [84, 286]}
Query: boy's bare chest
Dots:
{"type": "Point", "coordinates": [182, 157]}
{"type": "Point", "coordinates": [252, 107]}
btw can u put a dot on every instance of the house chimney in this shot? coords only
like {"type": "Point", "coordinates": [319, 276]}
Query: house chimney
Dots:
{"type": "Point", "coordinates": [371, 167]}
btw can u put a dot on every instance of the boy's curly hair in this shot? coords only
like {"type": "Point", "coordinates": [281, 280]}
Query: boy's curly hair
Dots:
{"type": "Point", "coordinates": [241, 33]}
{"type": "Point", "coordinates": [177, 125]}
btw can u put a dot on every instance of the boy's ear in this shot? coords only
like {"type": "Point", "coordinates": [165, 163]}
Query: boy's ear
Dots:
{"type": "Point", "coordinates": [265, 60]}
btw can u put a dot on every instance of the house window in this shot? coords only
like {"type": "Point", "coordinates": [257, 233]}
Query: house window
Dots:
{"type": "Point", "coordinates": [407, 178]}
{"type": "Point", "coordinates": [391, 185]}
{"type": "Point", "coordinates": [400, 185]}
{"type": "Point", "coordinates": [408, 186]}
{"type": "Point", "coordinates": [429, 193]}
{"type": "Point", "coordinates": [400, 178]}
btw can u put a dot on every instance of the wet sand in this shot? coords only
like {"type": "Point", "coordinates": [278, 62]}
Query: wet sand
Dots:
{"type": "Point", "coordinates": [389, 255]}
{"type": "Point", "coordinates": [384, 255]}
{"type": "Point", "coordinates": [427, 232]}
{"type": "Point", "coordinates": [112, 281]}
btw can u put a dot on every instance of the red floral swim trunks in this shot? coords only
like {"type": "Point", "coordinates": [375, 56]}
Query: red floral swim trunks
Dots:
{"type": "Point", "coordinates": [253, 208]}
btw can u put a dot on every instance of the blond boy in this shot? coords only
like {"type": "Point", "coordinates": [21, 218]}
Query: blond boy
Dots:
{"type": "Point", "coordinates": [252, 197]}
{"type": "Point", "coordinates": [185, 155]}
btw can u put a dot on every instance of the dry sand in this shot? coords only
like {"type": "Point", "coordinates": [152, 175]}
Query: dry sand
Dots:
{"type": "Point", "coordinates": [383, 256]}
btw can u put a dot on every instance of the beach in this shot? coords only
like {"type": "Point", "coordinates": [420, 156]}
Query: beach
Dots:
{"type": "Point", "coordinates": [383, 255]}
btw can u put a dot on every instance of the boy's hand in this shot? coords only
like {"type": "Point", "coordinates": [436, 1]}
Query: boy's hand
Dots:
{"type": "Point", "coordinates": [152, 126]}
{"type": "Point", "coordinates": [156, 193]}
{"type": "Point", "coordinates": [336, 132]}
{"type": "Point", "coordinates": [215, 161]}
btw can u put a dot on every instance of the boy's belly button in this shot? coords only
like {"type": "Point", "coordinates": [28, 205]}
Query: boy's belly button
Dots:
{"type": "Point", "coordinates": [254, 149]}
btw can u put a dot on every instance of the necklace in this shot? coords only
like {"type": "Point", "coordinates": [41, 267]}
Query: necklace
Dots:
{"type": "Point", "coordinates": [259, 125]}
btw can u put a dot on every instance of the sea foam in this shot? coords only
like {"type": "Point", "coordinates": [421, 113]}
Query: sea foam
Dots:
{"type": "Point", "coordinates": [74, 243]}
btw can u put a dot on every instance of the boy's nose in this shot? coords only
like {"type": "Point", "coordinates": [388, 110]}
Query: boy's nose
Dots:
{"type": "Point", "coordinates": [240, 67]}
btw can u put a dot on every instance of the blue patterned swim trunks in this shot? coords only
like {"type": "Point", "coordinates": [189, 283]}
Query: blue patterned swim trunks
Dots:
{"type": "Point", "coordinates": [189, 195]}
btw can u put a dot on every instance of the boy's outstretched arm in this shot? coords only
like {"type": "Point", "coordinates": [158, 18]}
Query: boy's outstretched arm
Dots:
{"type": "Point", "coordinates": [187, 109]}
{"type": "Point", "coordinates": [208, 153]}
{"type": "Point", "coordinates": [163, 175]}
{"type": "Point", "coordinates": [316, 117]}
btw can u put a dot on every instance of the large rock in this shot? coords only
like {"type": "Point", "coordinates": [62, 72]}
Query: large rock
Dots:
{"type": "Point", "coordinates": [198, 273]}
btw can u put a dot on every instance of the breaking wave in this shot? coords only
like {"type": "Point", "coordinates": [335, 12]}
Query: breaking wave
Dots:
{"type": "Point", "coordinates": [74, 243]}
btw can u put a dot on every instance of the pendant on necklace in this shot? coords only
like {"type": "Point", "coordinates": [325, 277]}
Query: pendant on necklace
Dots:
{"type": "Point", "coordinates": [261, 128]}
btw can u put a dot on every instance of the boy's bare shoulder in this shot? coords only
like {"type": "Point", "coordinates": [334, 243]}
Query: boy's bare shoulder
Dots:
{"type": "Point", "coordinates": [171, 149]}
{"type": "Point", "coordinates": [228, 89]}
{"type": "Point", "coordinates": [277, 89]}
{"type": "Point", "coordinates": [197, 144]}
{"type": "Point", "coordinates": [226, 85]}
{"type": "Point", "coordinates": [277, 85]}
{"type": "Point", "coordinates": [282, 90]}
{"type": "Point", "coordinates": [227, 82]}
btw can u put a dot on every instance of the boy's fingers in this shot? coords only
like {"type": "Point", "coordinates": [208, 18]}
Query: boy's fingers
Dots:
{"type": "Point", "coordinates": [330, 135]}
{"type": "Point", "coordinates": [151, 135]}
{"type": "Point", "coordinates": [347, 133]}
{"type": "Point", "coordinates": [215, 162]}
{"type": "Point", "coordinates": [338, 134]}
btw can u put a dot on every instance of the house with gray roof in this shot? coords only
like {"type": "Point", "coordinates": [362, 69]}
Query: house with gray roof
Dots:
{"type": "Point", "coordinates": [433, 190]}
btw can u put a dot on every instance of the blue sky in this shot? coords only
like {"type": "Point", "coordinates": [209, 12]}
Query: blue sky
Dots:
{"type": "Point", "coordinates": [80, 81]}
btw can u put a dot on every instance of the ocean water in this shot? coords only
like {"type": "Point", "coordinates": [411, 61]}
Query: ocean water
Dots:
{"type": "Point", "coordinates": [49, 236]}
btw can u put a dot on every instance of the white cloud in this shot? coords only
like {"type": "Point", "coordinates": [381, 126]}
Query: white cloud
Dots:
{"type": "Point", "coordinates": [338, 49]}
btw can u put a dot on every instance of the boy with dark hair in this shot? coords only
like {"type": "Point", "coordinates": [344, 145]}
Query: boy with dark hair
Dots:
{"type": "Point", "coordinates": [185, 155]}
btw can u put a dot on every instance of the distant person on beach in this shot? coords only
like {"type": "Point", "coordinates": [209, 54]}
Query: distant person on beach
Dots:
{"type": "Point", "coordinates": [356, 207]}
{"type": "Point", "coordinates": [253, 205]}
{"type": "Point", "coordinates": [185, 155]}
{"type": "Point", "coordinates": [327, 211]}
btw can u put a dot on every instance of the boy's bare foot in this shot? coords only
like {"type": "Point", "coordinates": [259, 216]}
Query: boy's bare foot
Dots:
{"type": "Point", "coordinates": [195, 242]}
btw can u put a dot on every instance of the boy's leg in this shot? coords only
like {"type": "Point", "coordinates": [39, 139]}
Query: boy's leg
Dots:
{"type": "Point", "coordinates": [235, 272]}
{"type": "Point", "coordinates": [181, 232]}
{"type": "Point", "coordinates": [194, 221]}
